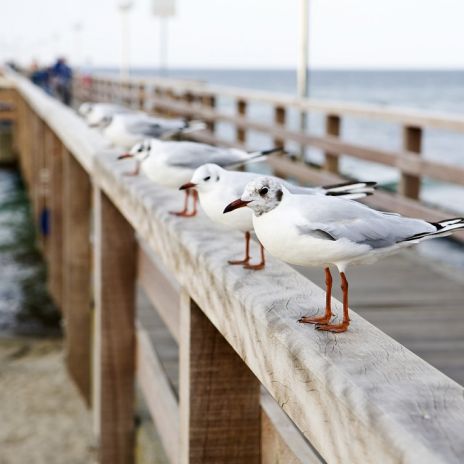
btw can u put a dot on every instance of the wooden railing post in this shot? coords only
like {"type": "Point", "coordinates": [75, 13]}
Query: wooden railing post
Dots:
{"type": "Point", "coordinates": [240, 131]}
{"type": "Point", "coordinates": [76, 270]}
{"type": "Point", "coordinates": [332, 128]}
{"type": "Point", "coordinates": [210, 102]}
{"type": "Point", "coordinates": [412, 141]}
{"type": "Point", "coordinates": [219, 396]}
{"type": "Point", "coordinates": [115, 273]}
{"type": "Point", "coordinates": [280, 115]}
{"type": "Point", "coordinates": [141, 96]}
{"type": "Point", "coordinates": [55, 273]}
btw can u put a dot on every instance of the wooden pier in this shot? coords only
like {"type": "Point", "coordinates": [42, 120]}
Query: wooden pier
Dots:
{"type": "Point", "coordinates": [226, 372]}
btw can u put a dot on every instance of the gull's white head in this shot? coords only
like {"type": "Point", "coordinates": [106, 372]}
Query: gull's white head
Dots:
{"type": "Point", "coordinates": [206, 177]}
{"type": "Point", "coordinates": [140, 151]}
{"type": "Point", "coordinates": [261, 195]}
{"type": "Point", "coordinates": [85, 108]}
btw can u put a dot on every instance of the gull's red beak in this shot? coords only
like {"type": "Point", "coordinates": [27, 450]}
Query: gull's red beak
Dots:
{"type": "Point", "coordinates": [124, 156]}
{"type": "Point", "coordinates": [235, 205]}
{"type": "Point", "coordinates": [187, 186]}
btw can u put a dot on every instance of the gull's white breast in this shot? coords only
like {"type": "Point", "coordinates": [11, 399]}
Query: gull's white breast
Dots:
{"type": "Point", "coordinates": [213, 204]}
{"type": "Point", "coordinates": [158, 171]}
{"type": "Point", "coordinates": [281, 233]}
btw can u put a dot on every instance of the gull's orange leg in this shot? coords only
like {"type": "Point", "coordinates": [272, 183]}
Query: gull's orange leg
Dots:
{"type": "Point", "coordinates": [259, 266]}
{"type": "Point", "coordinates": [343, 326]}
{"type": "Point", "coordinates": [192, 213]}
{"type": "Point", "coordinates": [325, 318]}
{"type": "Point", "coordinates": [136, 170]}
{"type": "Point", "coordinates": [184, 211]}
{"type": "Point", "coordinates": [247, 251]}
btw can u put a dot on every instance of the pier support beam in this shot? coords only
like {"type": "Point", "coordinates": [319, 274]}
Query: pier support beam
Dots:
{"type": "Point", "coordinates": [76, 270]}
{"type": "Point", "coordinates": [219, 396]}
{"type": "Point", "coordinates": [114, 368]}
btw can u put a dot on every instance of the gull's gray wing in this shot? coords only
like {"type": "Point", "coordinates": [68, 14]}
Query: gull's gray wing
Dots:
{"type": "Point", "coordinates": [336, 219]}
{"type": "Point", "coordinates": [192, 155]}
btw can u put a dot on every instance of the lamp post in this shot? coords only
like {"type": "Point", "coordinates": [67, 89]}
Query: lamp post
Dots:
{"type": "Point", "coordinates": [302, 74]}
{"type": "Point", "coordinates": [124, 7]}
{"type": "Point", "coordinates": [164, 9]}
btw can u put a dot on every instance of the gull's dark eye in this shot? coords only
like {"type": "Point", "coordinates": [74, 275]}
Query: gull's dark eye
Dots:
{"type": "Point", "coordinates": [206, 179]}
{"type": "Point", "coordinates": [140, 150]}
{"type": "Point", "coordinates": [263, 191]}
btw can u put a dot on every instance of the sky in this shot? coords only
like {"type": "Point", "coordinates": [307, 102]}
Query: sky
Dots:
{"type": "Point", "coordinates": [346, 34]}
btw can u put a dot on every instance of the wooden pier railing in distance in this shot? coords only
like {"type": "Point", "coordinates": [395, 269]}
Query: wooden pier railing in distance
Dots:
{"type": "Point", "coordinates": [166, 96]}
{"type": "Point", "coordinates": [250, 375]}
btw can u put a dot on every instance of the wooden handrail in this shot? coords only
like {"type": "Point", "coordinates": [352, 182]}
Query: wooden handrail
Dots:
{"type": "Point", "coordinates": [360, 397]}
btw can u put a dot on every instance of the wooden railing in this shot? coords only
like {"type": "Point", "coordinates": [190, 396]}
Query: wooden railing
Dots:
{"type": "Point", "coordinates": [197, 100]}
{"type": "Point", "coordinates": [358, 397]}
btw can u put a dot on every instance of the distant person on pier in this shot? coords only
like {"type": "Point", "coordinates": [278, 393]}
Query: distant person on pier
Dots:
{"type": "Point", "coordinates": [62, 81]}
{"type": "Point", "coordinates": [40, 76]}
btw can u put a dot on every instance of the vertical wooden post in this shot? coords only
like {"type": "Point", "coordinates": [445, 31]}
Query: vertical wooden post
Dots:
{"type": "Point", "coordinates": [188, 99]}
{"type": "Point", "coordinates": [240, 131]}
{"type": "Point", "coordinates": [115, 273]}
{"type": "Point", "coordinates": [219, 396]}
{"type": "Point", "coordinates": [141, 96]}
{"type": "Point", "coordinates": [56, 217]}
{"type": "Point", "coordinates": [412, 142]}
{"type": "Point", "coordinates": [76, 271]}
{"type": "Point", "coordinates": [210, 102]}
{"type": "Point", "coordinates": [332, 128]}
{"type": "Point", "coordinates": [280, 114]}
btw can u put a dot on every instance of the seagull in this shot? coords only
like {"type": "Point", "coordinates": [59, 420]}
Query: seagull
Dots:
{"type": "Point", "coordinates": [99, 114]}
{"type": "Point", "coordinates": [172, 163]}
{"type": "Point", "coordinates": [316, 230]}
{"type": "Point", "coordinates": [217, 187]}
{"type": "Point", "coordinates": [126, 130]}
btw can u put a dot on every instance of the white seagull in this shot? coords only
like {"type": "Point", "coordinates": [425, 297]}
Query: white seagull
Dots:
{"type": "Point", "coordinates": [315, 230]}
{"type": "Point", "coordinates": [217, 187]}
{"type": "Point", "coordinates": [172, 163]}
{"type": "Point", "coordinates": [126, 130]}
{"type": "Point", "coordinates": [98, 114]}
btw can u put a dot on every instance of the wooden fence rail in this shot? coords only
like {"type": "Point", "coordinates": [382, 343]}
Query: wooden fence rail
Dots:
{"type": "Point", "coordinates": [359, 397]}
{"type": "Point", "coordinates": [197, 100]}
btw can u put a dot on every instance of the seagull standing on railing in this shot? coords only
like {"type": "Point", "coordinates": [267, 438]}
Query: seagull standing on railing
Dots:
{"type": "Point", "coordinates": [315, 230]}
{"type": "Point", "coordinates": [172, 164]}
{"type": "Point", "coordinates": [96, 114]}
{"type": "Point", "coordinates": [217, 187]}
{"type": "Point", "coordinates": [126, 130]}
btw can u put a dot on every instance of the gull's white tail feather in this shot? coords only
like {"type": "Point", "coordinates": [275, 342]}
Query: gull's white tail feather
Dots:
{"type": "Point", "coordinates": [193, 126]}
{"type": "Point", "coordinates": [350, 190]}
{"type": "Point", "coordinates": [254, 156]}
{"type": "Point", "coordinates": [444, 228]}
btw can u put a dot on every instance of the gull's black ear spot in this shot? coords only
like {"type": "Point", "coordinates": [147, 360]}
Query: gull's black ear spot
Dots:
{"type": "Point", "coordinates": [279, 195]}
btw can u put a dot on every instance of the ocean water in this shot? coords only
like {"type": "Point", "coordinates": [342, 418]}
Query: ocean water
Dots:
{"type": "Point", "coordinates": [25, 305]}
{"type": "Point", "coordinates": [441, 91]}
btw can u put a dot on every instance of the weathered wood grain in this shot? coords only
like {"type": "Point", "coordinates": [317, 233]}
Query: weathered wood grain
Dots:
{"type": "Point", "coordinates": [115, 267]}
{"type": "Point", "coordinates": [76, 272]}
{"type": "Point", "coordinates": [158, 394]}
{"type": "Point", "coordinates": [161, 289]}
{"type": "Point", "coordinates": [281, 441]}
{"type": "Point", "coordinates": [219, 396]}
{"type": "Point", "coordinates": [360, 397]}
